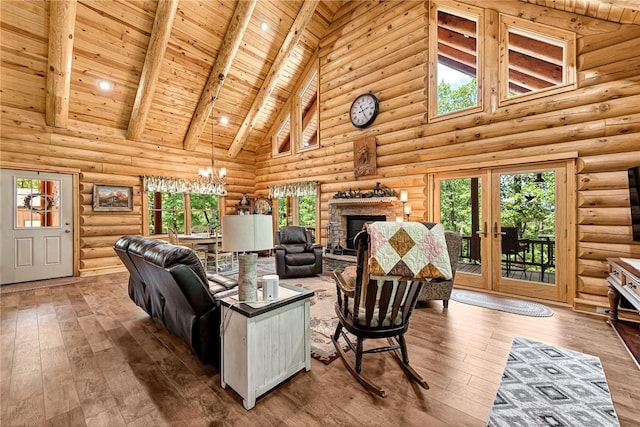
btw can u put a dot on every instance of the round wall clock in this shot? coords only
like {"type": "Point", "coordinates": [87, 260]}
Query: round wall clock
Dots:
{"type": "Point", "coordinates": [364, 110]}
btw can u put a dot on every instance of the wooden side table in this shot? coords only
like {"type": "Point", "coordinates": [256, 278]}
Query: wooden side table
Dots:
{"type": "Point", "coordinates": [624, 281]}
{"type": "Point", "coordinates": [263, 344]}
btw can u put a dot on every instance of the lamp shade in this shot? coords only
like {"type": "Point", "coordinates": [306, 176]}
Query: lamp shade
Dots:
{"type": "Point", "coordinates": [246, 233]}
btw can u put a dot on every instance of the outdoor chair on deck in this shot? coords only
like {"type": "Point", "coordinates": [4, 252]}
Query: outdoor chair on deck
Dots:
{"type": "Point", "coordinates": [514, 251]}
{"type": "Point", "coordinates": [376, 300]}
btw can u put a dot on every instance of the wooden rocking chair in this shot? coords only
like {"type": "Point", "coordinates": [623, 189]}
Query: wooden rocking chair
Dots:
{"type": "Point", "coordinates": [374, 308]}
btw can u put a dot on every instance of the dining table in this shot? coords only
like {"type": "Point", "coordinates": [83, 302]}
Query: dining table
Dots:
{"type": "Point", "coordinates": [210, 245]}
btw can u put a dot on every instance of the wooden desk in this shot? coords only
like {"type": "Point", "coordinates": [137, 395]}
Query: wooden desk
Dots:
{"type": "Point", "coordinates": [624, 281]}
{"type": "Point", "coordinates": [263, 344]}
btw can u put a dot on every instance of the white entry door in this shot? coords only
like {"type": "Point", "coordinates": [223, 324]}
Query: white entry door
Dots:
{"type": "Point", "coordinates": [36, 225]}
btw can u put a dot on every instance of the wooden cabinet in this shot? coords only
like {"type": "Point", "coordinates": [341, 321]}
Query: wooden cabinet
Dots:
{"type": "Point", "coordinates": [624, 282]}
{"type": "Point", "coordinates": [264, 343]}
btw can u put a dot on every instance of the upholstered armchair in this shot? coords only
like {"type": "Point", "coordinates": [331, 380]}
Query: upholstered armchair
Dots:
{"type": "Point", "coordinates": [441, 290]}
{"type": "Point", "coordinates": [295, 253]}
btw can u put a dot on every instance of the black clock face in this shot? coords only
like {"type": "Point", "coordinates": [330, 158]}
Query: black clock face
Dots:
{"type": "Point", "coordinates": [364, 110]}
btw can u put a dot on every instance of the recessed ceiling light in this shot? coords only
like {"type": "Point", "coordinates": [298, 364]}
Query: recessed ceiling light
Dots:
{"type": "Point", "coordinates": [224, 120]}
{"type": "Point", "coordinates": [264, 26]}
{"type": "Point", "coordinates": [105, 85]}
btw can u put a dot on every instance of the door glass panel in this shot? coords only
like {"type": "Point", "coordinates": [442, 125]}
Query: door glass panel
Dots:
{"type": "Point", "coordinates": [37, 203]}
{"type": "Point", "coordinates": [460, 202]}
{"type": "Point", "coordinates": [527, 226]}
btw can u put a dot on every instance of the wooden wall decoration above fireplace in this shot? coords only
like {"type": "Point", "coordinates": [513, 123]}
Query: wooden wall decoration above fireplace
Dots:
{"type": "Point", "coordinates": [364, 156]}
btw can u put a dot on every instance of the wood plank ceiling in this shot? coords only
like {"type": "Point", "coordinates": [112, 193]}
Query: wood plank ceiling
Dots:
{"type": "Point", "coordinates": [165, 61]}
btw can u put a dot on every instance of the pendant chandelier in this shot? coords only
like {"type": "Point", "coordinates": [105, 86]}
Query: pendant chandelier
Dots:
{"type": "Point", "coordinates": [210, 175]}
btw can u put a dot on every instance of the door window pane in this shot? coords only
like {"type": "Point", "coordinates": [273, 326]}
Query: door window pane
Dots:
{"type": "Point", "coordinates": [37, 203]}
{"type": "Point", "coordinates": [460, 202]}
{"type": "Point", "coordinates": [527, 226]}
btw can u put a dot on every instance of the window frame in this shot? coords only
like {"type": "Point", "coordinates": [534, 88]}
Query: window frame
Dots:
{"type": "Point", "coordinates": [467, 12]}
{"type": "Point", "coordinates": [186, 210]}
{"type": "Point", "coordinates": [276, 137]}
{"type": "Point", "coordinates": [299, 112]}
{"type": "Point", "coordinates": [292, 111]}
{"type": "Point", "coordinates": [543, 33]}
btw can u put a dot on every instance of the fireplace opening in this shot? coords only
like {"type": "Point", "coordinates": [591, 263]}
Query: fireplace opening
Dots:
{"type": "Point", "coordinates": [354, 226]}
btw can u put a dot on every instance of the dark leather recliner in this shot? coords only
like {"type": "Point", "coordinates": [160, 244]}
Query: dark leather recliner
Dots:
{"type": "Point", "coordinates": [170, 284]}
{"type": "Point", "coordinates": [296, 254]}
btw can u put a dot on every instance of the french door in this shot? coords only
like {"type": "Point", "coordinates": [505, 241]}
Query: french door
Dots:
{"type": "Point", "coordinates": [514, 226]}
{"type": "Point", "coordinates": [36, 217]}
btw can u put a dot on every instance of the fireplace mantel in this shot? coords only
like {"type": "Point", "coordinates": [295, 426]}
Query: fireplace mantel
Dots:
{"type": "Point", "coordinates": [364, 201]}
{"type": "Point", "coordinates": [341, 208]}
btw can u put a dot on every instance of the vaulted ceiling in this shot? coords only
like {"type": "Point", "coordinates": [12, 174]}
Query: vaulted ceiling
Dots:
{"type": "Point", "coordinates": [177, 66]}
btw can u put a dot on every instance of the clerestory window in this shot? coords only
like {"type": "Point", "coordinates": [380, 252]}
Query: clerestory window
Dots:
{"type": "Point", "coordinates": [535, 59]}
{"type": "Point", "coordinates": [455, 78]}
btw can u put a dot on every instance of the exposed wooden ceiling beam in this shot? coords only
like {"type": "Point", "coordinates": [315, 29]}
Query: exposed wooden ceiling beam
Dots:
{"type": "Point", "coordinates": [527, 81]}
{"type": "Point", "coordinates": [228, 51]}
{"type": "Point", "coordinates": [160, 34]}
{"type": "Point", "coordinates": [461, 25]}
{"type": "Point", "coordinates": [309, 115]}
{"type": "Point", "coordinates": [458, 66]}
{"type": "Point", "coordinates": [456, 55]}
{"type": "Point", "coordinates": [457, 40]}
{"type": "Point", "coordinates": [536, 48]}
{"type": "Point", "coordinates": [304, 16]}
{"type": "Point", "coordinates": [534, 67]}
{"type": "Point", "coordinates": [62, 22]}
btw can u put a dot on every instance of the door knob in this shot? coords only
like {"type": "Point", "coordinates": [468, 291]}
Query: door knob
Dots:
{"type": "Point", "coordinates": [67, 231]}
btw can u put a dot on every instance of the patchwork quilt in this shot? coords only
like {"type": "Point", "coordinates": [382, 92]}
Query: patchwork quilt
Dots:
{"type": "Point", "coordinates": [409, 250]}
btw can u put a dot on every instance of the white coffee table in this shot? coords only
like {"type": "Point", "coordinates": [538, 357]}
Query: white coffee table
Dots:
{"type": "Point", "coordinates": [263, 344]}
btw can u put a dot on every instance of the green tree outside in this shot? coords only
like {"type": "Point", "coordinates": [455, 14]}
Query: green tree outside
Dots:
{"type": "Point", "coordinates": [457, 98]}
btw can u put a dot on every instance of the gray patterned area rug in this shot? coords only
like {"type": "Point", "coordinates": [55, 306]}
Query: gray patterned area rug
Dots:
{"type": "Point", "coordinates": [494, 302]}
{"type": "Point", "coordinates": [543, 385]}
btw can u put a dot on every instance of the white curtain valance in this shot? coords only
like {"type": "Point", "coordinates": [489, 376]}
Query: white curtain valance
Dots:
{"type": "Point", "coordinates": [179, 185]}
{"type": "Point", "coordinates": [293, 189]}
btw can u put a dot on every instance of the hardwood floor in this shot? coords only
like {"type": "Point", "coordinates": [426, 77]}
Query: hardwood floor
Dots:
{"type": "Point", "coordinates": [84, 354]}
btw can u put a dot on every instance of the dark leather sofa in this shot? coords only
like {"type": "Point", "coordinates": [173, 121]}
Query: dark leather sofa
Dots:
{"type": "Point", "coordinates": [170, 284]}
{"type": "Point", "coordinates": [296, 254]}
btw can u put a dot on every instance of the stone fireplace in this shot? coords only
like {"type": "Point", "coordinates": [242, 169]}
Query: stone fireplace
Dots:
{"type": "Point", "coordinates": [355, 224]}
{"type": "Point", "coordinates": [347, 216]}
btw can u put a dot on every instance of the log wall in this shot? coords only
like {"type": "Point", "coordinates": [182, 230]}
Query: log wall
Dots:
{"type": "Point", "coordinates": [383, 47]}
{"type": "Point", "coordinates": [105, 156]}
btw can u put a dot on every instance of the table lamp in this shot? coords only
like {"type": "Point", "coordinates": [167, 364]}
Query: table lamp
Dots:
{"type": "Point", "coordinates": [247, 233]}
